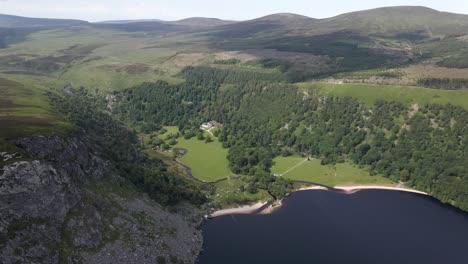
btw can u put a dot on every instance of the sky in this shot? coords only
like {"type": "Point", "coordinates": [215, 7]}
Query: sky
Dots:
{"type": "Point", "coordinates": [100, 10]}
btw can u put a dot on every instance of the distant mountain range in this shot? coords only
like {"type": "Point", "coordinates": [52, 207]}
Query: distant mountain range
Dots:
{"type": "Point", "coordinates": [10, 21]}
{"type": "Point", "coordinates": [190, 22]}
{"type": "Point", "coordinates": [376, 37]}
{"type": "Point", "coordinates": [387, 21]}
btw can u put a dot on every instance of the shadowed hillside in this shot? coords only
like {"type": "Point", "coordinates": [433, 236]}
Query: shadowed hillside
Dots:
{"type": "Point", "coordinates": [18, 22]}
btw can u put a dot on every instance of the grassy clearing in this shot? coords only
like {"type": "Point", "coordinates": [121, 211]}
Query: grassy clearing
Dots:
{"type": "Point", "coordinates": [228, 194]}
{"type": "Point", "coordinates": [170, 130]}
{"type": "Point", "coordinates": [208, 163]}
{"type": "Point", "coordinates": [330, 175]}
{"type": "Point", "coordinates": [369, 93]}
{"type": "Point", "coordinates": [207, 160]}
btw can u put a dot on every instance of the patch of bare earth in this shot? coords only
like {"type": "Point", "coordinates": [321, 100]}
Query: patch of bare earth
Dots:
{"type": "Point", "coordinates": [243, 57]}
{"type": "Point", "coordinates": [463, 38]}
{"type": "Point", "coordinates": [256, 54]}
{"type": "Point", "coordinates": [411, 113]}
{"type": "Point", "coordinates": [430, 70]}
{"type": "Point", "coordinates": [186, 59]}
{"type": "Point", "coordinates": [414, 110]}
{"type": "Point", "coordinates": [135, 68]}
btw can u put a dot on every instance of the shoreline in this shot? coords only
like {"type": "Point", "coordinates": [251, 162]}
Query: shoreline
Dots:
{"type": "Point", "coordinates": [250, 209]}
{"type": "Point", "coordinates": [246, 209]}
{"type": "Point", "coordinates": [356, 188]}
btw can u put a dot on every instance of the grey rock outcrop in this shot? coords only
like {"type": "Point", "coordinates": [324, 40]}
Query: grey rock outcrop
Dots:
{"type": "Point", "coordinates": [61, 203]}
{"type": "Point", "coordinates": [37, 193]}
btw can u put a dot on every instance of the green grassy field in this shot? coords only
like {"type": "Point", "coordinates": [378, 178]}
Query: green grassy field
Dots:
{"type": "Point", "coordinates": [207, 160]}
{"type": "Point", "coordinates": [369, 93]}
{"type": "Point", "coordinates": [330, 175]}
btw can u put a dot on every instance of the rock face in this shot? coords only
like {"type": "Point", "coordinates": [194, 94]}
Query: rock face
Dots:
{"type": "Point", "coordinates": [61, 203]}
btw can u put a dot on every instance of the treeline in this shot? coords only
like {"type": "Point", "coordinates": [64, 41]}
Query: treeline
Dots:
{"type": "Point", "coordinates": [444, 83]}
{"type": "Point", "coordinates": [208, 75]}
{"type": "Point", "coordinates": [301, 71]}
{"type": "Point", "coordinates": [87, 111]}
{"type": "Point", "coordinates": [231, 61]}
{"type": "Point", "coordinates": [264, 119]}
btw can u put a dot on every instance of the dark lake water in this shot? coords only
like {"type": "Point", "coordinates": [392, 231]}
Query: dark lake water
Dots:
{"type": "Point", "coordinates": [371, 226]}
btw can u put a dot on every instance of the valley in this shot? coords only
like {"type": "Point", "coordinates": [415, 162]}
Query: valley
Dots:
{"type": "Point", "coordinates": [150, 121]}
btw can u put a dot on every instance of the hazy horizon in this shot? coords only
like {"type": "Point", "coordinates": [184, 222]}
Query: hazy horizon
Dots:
{"type": "Point", "coordinates": [103, 10]}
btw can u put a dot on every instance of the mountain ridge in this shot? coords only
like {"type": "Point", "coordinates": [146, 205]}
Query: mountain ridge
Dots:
{"type": "Point", "coordinates": [415, 21]}
{"type": "Point", "coordinates": [399, 19]}
{"type": "Point", "coordinates": [20, 21]}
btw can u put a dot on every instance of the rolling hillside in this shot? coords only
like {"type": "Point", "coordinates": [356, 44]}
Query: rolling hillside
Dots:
{"type": "Point", "coordinates": [115, 110]}
{"type": "Point", "coordinates": [152, 24]}
{"type": "Point", "coordinates": [380, 38]}
{"type": "Point", "coordinates": [405, 22]}
{"type": "Point", "coordinates": [9, 21]}
{"type": "Point", "coordinates": [201, 22]}
{"type": "Point", "coordinates": [141, 26]}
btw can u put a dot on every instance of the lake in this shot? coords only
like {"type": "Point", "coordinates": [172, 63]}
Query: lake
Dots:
{"type": "Point", "coordinates": [370, 226]}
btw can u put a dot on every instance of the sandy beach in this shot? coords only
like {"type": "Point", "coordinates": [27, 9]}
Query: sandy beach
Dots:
{"type": "Point", "coordinates": [356, 188]}
{"type": "Point", "coordinates": [313, 188]}
{"type": "Point", "coordinates": [249, 209]}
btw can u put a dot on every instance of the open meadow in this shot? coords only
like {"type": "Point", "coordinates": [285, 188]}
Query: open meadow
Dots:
{"type": "Point", "coordinates": [207, 161]}
{"type": "Point", "coordinates": [369, 93]}
{"type": "Point", "coordinates": [329, 175]}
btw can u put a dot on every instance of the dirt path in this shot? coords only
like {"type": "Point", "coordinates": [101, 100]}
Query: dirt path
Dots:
{"type": "Point", "coordinates": [293, 167]}
{"type": "Point", "coordinates": [209, 131]}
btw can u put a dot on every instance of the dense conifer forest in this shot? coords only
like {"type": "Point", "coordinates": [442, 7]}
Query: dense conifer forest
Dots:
{"type": "Point", "coordinates": [424, 146]}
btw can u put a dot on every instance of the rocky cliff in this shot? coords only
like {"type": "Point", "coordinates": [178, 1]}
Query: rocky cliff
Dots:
{"type": "Point", "coordinates": [60, 202]}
